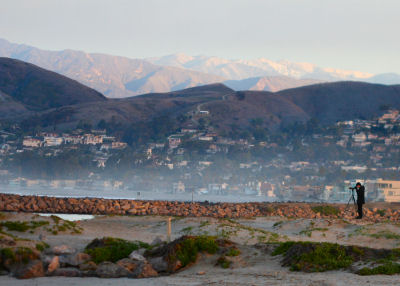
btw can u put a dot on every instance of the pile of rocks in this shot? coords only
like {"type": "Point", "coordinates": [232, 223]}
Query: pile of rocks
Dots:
{"type": "Point", "coordinates": [65, 261]}
{"type": "Point", "coordinates": [9, 202]}
{"type": "Point", "coordinates": [160, 258]}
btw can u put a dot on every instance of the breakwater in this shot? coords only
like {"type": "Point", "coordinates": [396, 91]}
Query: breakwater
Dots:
{"type": "Point", "coordinates": [99, 206]}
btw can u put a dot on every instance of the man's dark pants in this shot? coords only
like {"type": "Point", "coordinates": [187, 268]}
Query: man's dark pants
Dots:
{"type": "Point", "coordinates": [359, 209]}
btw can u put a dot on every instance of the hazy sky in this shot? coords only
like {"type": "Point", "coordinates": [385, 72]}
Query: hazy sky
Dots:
{"type": "Point", "coordinates": [351, 34]}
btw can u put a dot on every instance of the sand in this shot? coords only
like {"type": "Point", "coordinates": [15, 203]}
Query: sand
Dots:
{"type": "Point", "coordinates": [252, 267]}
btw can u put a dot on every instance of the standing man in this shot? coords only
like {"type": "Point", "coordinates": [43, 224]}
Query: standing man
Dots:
{"type": "Point", "coordinates": [360, 199]}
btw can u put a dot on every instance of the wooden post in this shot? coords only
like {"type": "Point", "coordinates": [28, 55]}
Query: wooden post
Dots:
{"type": "Point", "coordinates": [169, 230]}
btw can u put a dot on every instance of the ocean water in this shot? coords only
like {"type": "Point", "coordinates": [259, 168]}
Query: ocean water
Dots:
{"type": "Point", "coordinates": [69, 217]}
{"type": "Point", "coordinates": [132, 195]}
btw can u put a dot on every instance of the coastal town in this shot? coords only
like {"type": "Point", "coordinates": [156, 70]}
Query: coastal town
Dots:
{"type": "Point", "coordinates": [307, 163]}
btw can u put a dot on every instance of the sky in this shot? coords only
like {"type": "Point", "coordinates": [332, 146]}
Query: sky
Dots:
{"type": "Point", "coordinates": [346, 34]}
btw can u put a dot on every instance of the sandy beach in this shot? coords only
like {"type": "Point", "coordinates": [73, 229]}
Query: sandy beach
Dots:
{"type": "Point", "coordinates": [252, 267]}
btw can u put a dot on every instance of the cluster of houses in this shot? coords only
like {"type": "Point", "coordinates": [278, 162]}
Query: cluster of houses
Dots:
{"type": "Point", "coordinates": [359, 133]}
{"type": "Point", "coordinates": [96, 137]}
{"type": "Point", "coordinates": [376, 138]}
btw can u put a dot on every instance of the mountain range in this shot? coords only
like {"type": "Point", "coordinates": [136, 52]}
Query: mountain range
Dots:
{"type": "Point", "coordinates": [118, 77]}
{"type": "Point", "coordinates": [243, 69]}
{"type": "Point", "coordinates": [111, 75]}
{"type": "Point", "coordinates": [40, 97]}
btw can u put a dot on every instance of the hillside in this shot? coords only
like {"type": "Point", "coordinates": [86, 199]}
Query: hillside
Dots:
{"type": "Point", "coordinates": [25, 87]}
{"type": "Point", "coordinates": [62, 102]}
{"type": "Point", "coordinates": [331, 102]}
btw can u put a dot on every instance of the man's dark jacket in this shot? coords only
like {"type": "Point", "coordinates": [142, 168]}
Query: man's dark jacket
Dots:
{"type": "Point", "coordinates": [361, 195]}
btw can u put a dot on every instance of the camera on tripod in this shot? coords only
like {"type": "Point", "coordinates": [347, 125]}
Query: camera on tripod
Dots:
{"type": "Point", "coordinates": [351, 199]}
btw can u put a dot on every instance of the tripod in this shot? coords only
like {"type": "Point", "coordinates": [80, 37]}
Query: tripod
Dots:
{"type": "Point", "coordinates": [352, 198]}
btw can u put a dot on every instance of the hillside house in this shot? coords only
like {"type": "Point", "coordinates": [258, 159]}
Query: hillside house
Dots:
{"type": "Point", "coordinates": [31, 142]}
{"type": "Point", "coordinates": [52, 141]}
{"type": "Point", "coordinates": [90, 139]}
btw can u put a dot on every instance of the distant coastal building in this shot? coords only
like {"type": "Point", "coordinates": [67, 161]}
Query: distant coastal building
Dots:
{"type": "Point", "coordinates": [383, 190]}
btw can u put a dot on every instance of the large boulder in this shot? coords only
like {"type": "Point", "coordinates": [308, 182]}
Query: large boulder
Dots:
{"type": "Point", "coordinates": [128, 264]}
{"type": "Point", "coordinates": [159, 264]}
{"type": "Point", "coordinates": [74, 259]}
{"type": "Point", "coordinates": [135, 255]}
{"type": "Point", "coordinates": [144, 270]}
{"type": "Point", "coordinates": [33, 268]}
{"type": "Point", "coordinates": [138, 269]}
{"type": "Point", "coordinates": [88, 266]}
{"type": "Point", "coordinates": [111, 270]}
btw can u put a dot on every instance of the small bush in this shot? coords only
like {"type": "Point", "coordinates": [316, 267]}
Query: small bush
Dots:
{"type": "Point", "coordinates": [111, 249]}
{"type": "Point", "coordinates": [21, 226]}
{"type": "Point", "coordinates": [313, 257]}
{"type": "Point", "coordinates": [283, 248]}
{"type": "Point", "coordinates": [187, 252]}
{"type": "Point", "coordinates": [325, 210]}
{"type": "Point", "coordinates": [188, 249]}
{"type": "Point", "coordinates": [322, 257]}
{"type": "Point", "coordinates": [207, 243]}
{"type": "Point", "coordinates": [36, 224]}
